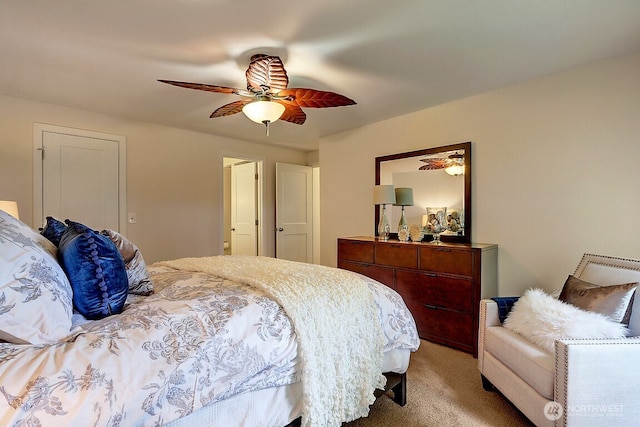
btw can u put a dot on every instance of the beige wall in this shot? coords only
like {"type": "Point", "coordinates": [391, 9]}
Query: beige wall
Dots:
{"type": "Point", "coordinates": [174, 177]}
{"type": "Point", "coordinates": [555, 170]}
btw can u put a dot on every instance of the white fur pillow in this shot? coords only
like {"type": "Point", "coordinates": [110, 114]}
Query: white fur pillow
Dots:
{"type": "Point", "coordinates": [542, 319]}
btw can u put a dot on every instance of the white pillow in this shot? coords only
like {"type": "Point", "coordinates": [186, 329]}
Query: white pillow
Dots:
{"type": "Point", "coordinates": [137, 274]}
{"type": "Point", "coordinates": [35, 294]}
{"type": "Point", "coordinates": [542, 319]}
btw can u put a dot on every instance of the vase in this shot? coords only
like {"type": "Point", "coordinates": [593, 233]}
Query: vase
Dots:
{"type": "Point", "coordinates": [436, 223]}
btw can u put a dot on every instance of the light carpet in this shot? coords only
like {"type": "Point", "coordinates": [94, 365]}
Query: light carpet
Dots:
{"type": "Point", "coordinates": [443, 389]}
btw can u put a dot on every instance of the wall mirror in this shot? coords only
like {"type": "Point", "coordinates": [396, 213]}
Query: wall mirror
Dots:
{"type": "Point", "coordinates": [435, 183]}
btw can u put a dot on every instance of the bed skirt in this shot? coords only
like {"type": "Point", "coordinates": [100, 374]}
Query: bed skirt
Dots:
{"type": "Point", "coordinates": [276, 406]}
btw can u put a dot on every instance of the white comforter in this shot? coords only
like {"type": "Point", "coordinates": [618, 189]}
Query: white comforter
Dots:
{"type": "Point", "coordinates": [197, 340]}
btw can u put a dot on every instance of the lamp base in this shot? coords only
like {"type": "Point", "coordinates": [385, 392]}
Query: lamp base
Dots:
{"type": "Point", "coordinates": [384, 230]}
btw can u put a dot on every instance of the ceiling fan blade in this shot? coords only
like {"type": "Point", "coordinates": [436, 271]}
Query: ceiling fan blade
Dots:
{"type": "Point", "coordinates": [201, 86]}
{"type": "Point", "coordinates": [316, 98]}
{"type": "Point", "coordinates": [266, 73]}
{"type": "Point", "coordinates": [292, 112]}
{"type": "Point", "coordinates": [433, 164]}
{"type": "Point", "coordinates": [229, 109]}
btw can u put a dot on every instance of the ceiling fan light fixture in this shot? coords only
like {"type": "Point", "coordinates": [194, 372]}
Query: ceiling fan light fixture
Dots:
{"type": "Point", "coordinates": [454, 170]}
{"type": "Point", "coordinates": [263, 111]}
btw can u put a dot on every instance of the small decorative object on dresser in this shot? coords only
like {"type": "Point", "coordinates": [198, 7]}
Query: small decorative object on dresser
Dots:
{"type": "Point", "coordinates": [436, 223]}
{"type": "Point", "coordinates": [442, 285]}
{"type": "Point", "coordinates": [455, 220]}
{"type": "Point", "coordinates": [416, 234]}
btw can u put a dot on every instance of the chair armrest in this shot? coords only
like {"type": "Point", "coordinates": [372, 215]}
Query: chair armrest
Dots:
{"type": "Point", "coordinates": [488, 317]}
{"type": "Point", "coordinates": [597, 381]}
{"type": "Point", "coordinates": [489, 313]}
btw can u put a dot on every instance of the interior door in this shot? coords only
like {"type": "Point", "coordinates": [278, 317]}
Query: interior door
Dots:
{"type": "Point", "coordinates": [80, 177]}
{"type": "Point", "coordinates": [294, 212]}
{"type": "Point", "coordinates": [244, 209]}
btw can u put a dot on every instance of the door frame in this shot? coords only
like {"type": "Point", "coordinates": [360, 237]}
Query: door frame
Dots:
{"type": "Point", "coordinates": [260, 195]}
{"type": "Point", "coordinates": [39, 129]}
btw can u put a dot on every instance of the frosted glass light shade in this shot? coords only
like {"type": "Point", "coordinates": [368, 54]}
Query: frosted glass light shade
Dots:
{"type": "Point", "coordinates": [263, 111]}
{"type": "Point", "coordinates": [383, 195]}
{"type": "Point", "coordinates": [404, 197]}
{"type": "Point", "coordinates": [455, 170]}
{"type": "Point", "coordinates": [10, 207]}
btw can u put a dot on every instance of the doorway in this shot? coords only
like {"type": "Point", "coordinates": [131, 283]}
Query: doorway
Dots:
{"type": "Point", "coordinates": [242, 195]}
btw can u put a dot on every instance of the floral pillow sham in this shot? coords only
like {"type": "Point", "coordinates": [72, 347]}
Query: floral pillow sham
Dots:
{"type": "Point", "coordinates": [35, 294]}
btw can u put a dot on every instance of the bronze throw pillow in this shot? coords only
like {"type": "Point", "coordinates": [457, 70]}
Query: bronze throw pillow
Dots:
{"type": "Point", "coordinates": [614, 301]}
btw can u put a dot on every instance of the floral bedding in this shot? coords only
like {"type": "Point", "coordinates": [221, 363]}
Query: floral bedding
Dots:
{"type": "Point", "coordinates": [196, 340]}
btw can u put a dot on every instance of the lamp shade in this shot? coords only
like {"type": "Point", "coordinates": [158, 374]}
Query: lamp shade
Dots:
{"type": "Point", "coordinates": [404, 197]}
{"type": "Point", "coordinates": [263, 111]}
{"type": "Point", "coordinates": [10, 207]}
{"type": "Point", "coordinates": [383, 195]}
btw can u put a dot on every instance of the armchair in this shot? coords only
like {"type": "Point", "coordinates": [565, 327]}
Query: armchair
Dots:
{"type": "Point", "coordinates": [587, 382]}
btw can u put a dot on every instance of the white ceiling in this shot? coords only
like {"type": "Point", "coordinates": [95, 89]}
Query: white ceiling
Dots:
{"type": "Point", "coordinates": [391, 56]}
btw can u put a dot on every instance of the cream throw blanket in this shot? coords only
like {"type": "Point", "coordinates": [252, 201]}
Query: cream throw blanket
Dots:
{"type": "Point", "coordinates": [340, 340]}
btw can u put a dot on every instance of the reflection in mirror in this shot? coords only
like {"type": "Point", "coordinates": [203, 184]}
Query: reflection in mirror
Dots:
{"type": "Point", "coordinates": [439, 177]}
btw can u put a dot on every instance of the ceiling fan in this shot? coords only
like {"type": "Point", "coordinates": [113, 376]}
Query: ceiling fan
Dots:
{"type": "Point", "coordinates": [267, 97]}
{"type": "Point", "coordinates": [452, 164]}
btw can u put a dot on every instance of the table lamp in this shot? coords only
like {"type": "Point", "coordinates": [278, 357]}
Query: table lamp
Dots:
{"type": "Point", "coordinates": [383, 195]}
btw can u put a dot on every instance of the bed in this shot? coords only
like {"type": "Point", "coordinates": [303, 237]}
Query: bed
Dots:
{"type": "Point", "coordinates": [225, 340]}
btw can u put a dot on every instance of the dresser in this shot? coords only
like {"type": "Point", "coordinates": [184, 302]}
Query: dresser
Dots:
{"type": "Point", "coordinates": [442, 285]}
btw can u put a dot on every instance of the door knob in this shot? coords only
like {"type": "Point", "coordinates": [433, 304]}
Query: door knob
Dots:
{"type": "Point", "coordinates": [233, 229]}
{"type": "Point", "coordinates": [280, 229]}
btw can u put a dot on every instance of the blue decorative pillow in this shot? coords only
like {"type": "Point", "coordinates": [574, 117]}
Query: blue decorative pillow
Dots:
{"type": "Point", "coordinates": [53, 230]}
{"type": "Point", "coordinates": [95, 270]}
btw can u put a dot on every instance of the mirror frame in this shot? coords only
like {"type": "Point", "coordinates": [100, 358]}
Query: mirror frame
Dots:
{"type": "Point", "coordinates": [466, 146]}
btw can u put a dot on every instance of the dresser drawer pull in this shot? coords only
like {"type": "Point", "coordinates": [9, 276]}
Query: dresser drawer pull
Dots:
{"type": "Point", "coordinates": [443, 249]}
{"type": "Point", "coordinates": [431, 274]}
{"type": "Point", "coordinates": [432, 307]}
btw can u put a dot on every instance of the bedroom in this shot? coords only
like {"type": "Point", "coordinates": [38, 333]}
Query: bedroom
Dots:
{"type": "Point", "coordinates": [554, 164]}
{"type": "Point", "coordinates": [557, 146]}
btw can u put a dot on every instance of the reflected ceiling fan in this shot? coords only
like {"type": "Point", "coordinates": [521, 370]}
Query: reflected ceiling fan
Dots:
{"type": "Point", "coordinates": [452, 164]}
{"type": "Point", "coordinates": [267, 97]}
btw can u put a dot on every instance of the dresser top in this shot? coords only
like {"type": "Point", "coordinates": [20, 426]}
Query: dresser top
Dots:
{"type": "Point", "coordinates": [481, 246]}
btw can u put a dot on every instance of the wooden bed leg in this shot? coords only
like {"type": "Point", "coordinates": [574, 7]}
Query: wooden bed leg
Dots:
{"type": "Point", "coordinates": [400, 391]}
{"type": "Point", "coordinates": [398, 384]}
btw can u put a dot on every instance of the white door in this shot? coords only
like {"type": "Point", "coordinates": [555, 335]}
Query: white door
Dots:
{"type": "Point", "coordinates": [79, 175]}
{"type": "Point", "coordinates": [294, 212]}
{"type": "Point", "coordinates": [244, 209]}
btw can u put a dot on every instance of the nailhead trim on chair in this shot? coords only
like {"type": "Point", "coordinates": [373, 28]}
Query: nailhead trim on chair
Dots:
{"type": "Point", "coordinates": [565, 378]}
{"type": "Point", "coordinates": [483, 317]}
{"type": "Point", "coordinates": [606, 264]}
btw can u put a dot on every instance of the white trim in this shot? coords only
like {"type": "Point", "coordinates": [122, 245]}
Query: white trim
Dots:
{"type": "Point", "coordinates": [39, 129]}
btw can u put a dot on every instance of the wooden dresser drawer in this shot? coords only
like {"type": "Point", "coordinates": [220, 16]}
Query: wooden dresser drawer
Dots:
{"type": "Point", "coordinates": [381, 274]}
{"type": "Point", "coordinates": [355, 251]}
{"type": "Point", "coordinates": [441, 284]}
{"type": "Point", "coordinates": [446, 260]}
{"type": "Point", "coordinates": [442, 325]}
{"type": "Point", "coordinates": [435, 291]}
{"type": "Point", "coordinates": [397, 255]}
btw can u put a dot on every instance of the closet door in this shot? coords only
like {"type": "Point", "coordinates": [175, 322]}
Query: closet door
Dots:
{"type": "Point", "coordinates": [81, 178]}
